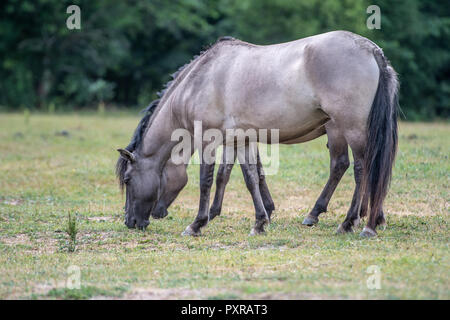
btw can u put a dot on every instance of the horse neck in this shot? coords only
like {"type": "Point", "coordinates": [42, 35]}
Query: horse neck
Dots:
{"type": "Point", "coordinates": [157, 143]}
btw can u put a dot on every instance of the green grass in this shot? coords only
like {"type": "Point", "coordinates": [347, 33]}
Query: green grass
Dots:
{"type": "Point", "coordinates": [46, 173]}
{"type": "Point", "coordinates": [79, 294]}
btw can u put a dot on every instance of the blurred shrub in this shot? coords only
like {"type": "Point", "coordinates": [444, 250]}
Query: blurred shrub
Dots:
{"type": "Point", "coordinates": [126, 50]}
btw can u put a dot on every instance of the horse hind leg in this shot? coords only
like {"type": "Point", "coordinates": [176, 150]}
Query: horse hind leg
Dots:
{"type": "Point", "coordinates": [353, 215]}
{"type": "Point", "coordinates": [356, 137]}
{"type": "Point", "coordinates": [357, 140]}
{"type": "Point", "coordinates": [354, 131]}
{"type": "Point", "coordinates": [339, 163]}
{"type": "Point", "coordinates": [349, 108]}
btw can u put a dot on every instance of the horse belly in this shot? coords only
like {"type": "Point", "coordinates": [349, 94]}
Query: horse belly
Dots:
{"type": "Point", "coordinates": [269, 93]}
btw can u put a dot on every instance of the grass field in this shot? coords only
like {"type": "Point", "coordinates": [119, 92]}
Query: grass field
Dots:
{"type": "Point", "coordinates": [51, 165]}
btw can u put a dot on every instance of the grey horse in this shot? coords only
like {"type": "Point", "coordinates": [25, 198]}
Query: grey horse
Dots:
{"type": "Point", "coordinates": [337, 83]}
{"type": "Point", "coordinates": [176, 179]}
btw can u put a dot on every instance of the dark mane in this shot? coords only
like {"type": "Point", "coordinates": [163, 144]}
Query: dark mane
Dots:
{"type": "Point", "coordinates": [149, 111]}
{"type": "Point", "coordinates": [136, 140]}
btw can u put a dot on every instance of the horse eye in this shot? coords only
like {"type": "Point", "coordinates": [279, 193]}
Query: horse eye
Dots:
{"type": "Point", "coordinates": [126, 180]}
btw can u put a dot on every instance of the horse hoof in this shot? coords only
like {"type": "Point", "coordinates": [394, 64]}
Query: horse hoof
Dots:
{"type": "Point", "coordinates": [190, 232]}
{"type": "Point", "coordinates": [310, 221]}
{"type": "Point", "coordinates": [368, 233]}
{"type": "Point", "coordinates": [341, 230]}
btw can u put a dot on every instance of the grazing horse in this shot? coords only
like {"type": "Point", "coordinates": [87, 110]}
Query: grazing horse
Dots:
{"type": "Point", "coordinates": [176, 177]}
{"type": "Point", "coordinates": [337, 83]}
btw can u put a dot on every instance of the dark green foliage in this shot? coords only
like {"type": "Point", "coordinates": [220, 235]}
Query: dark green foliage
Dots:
{"type": "Point", "coordinates": [416, 38]}
{"type": "Point", "coordinates": [126, 50]}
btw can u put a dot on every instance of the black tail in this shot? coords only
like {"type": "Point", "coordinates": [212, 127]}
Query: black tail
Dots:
{"type": "Point", "coordinates": [381, 138]}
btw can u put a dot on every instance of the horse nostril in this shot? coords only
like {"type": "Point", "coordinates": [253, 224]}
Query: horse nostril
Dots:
{"type": "Point", "coordinates": [130, 222]}
{"type": "Point", "coordinates": [159, 213]}
{"type": "Point", "coordinates": [143, 225]}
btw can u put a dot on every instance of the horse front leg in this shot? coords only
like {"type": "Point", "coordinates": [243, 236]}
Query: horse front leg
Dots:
{"type": "Point", "coordinates": [206, 180]}
{"type": "Point", "coordinates": [250, 171]}
{"type": "Point", "coordinates": [269, 205]}
{"type": "Point", "coordinates": [222, 178]}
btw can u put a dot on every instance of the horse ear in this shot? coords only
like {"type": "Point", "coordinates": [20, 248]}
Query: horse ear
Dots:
{"type": "Point", "coordinates": [127, 155]}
